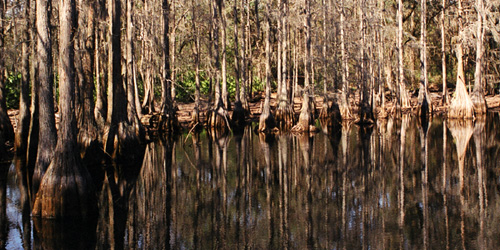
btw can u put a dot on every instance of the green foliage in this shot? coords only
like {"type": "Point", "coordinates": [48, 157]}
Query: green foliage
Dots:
{"type": "Point", "coordinates": [186, 86]}
{"type": "Point", "coordinates": [12, 90]}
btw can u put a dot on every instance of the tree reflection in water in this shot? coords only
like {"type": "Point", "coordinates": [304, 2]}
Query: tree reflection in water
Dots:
{"type": "Point", "coordinates": [396, 185]}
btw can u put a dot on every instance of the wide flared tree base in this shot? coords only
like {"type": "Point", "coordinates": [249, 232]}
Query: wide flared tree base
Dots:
{"type": "Point", "coordinates": [66, 189]}
{"type": "Point", "coordinates": [284, 117]}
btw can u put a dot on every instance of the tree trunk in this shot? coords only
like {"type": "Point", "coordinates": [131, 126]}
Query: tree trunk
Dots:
{"type": "Point", "coordinates": [461, 104]}
{"type": "Point", "coordinates": [443, 54]}
{"type": "Point", "coordinates": [345, 111]}
{"type": "Point", "coordinates": [24, 118]}
{"type": "Point", "coordinates": [222, 16]}
{"type": "Point", "coordinates": [217, 116]}
{"type": "Point", "coordinates": [243, 53]}
{"type": "Point", "coordinates": [266, 120]}
{"type": "Point", "coordinates": [47, 133]}
{"type": "Point", "coordinates": [196, 112]}
{"type": "Point", "coordinates": [88, 134]}
{"type": "Point", "coordinates": [366, 111]}
{"type": "Point", "coordinates": [306, 119]}
{"type": "Point", "coordinates": [132, 115]}
{"type": "Point", "coordinates": [404, 99]}
{"type": "Point", "coordinates": [284, 115]}
{"type": "Point", "coordinates": [477, 95]}
{"type": "Point", "coordinates": [66, 187]}
{"type": "Point", "coordinates": [238, 118]}
{"type": "Point", "coordinates": [100, 112]}
{"type": "Point", "coordinates": [167, 106]}
{"type": "Point", "coordinates": [424, 106]}
{"type": "Point", "coordinates": [6, 129]}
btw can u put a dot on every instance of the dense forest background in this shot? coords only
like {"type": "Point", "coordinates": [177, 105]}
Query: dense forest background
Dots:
{"type": "Point", "coordinates": [110, 68]}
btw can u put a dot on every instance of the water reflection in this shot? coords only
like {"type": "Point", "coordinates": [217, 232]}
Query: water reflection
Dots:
{"type": "Point", "coordinates": [397, 185]}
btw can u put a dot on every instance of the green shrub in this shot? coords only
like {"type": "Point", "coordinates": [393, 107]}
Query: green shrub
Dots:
{"type": "Point", "coordinates": [12, 90]}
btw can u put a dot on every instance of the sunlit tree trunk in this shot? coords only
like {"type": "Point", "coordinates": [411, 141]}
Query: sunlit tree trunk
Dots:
{"type": "Point", "coordinates": [47, 133]}
{"type": "Point", "coordinates": [443, 54]}
{"type": "Point", "coordinates": [424, 102]}
{"type": "Point", "coordinates": [167, 105]}
{"type": "Point", "coordinates": [284, 114]}
{"type": "Point", "coordinates": [404, 98]}
{"type": "Point", "coordinates": [306, 117]}
{"type": "Point", "coordinates": [266, 120]}
{"type": "Point", "coordinates": [461, 104]}
{"type": "Point", "coordinates": [66, 187]}
{"type": "Point", "coordinates": [196, 112]}
{"type": "Point", "coordinates": [222, 16]}
{"type": "Point", "coordinates": [477, 95]}
{"type": "Point", "coordinates": [238, 117]}
{"type": "Point", "coordinates": [345, 111]}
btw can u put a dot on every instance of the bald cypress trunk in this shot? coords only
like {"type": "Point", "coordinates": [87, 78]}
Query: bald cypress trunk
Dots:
{"type": "Point", "coordinates": [477, 95]}
{"type": "Point", "coordinates": [195, 116]}
{"type": "Point", "coordinates": [238, 117]}
{"type": "Point", "coordinates": [306, 118]}
{"type": "Point", "coordinates": [345, 111]}
{"type": "Point", "coordinates": [66, 187]}
{"type": "Point", "coordinates": [6, 129]}
{"type": "Point", "coordinates": [217, 117]}
{"type": "Point", "coordinates": [266, 120]}
{"type": "Point", "coordinates": [170, 122]}
{"type": "Point", "coordinates": [424, 102]}
{"type": "Point", "coordinates": [404, 99]}
{"type": "Point", "coordinates": [88, 134]}
{"type": "Point", "coordinates": [24, 118]}
{"type": "Point", "coordinates": [47, 131]}
{"type": "Point", "coordinates": [284, 115]}
{"type": "Point", "coordinates": [461, 105]}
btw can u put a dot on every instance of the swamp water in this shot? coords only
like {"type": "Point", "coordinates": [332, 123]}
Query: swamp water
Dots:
{"type": "Point", "coordinates": [396, 185]}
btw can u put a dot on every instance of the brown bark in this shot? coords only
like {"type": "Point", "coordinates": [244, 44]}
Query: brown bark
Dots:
{"type": "Point", "coordinates": [47, 132]}
{"type": "Point", "coordinates": [196, 111]}
{"type": "Point", "coordinates": [445, 99]}
{"type": "Point", "coordinates": [23, 124]}
{"type": "Point", "coordinates": [167, 106]}
{"type": "Point", "coordinates": [306, 118]}
{"type": "Point", "coordinates": [404, 99]}
{"type": "Point", "coordinates": [344, 99]}
{"type": "Point", "coordinates": [477, 95]}
{"type": "Point", "coordinates": [266, 120]}
{"type": "Point", "coordinates": [6, 129]}
{"type": "Point", "coordinates": [461, 104]}
{"type": "Point", "coordinates": [424, 106]}
{"type": "Point", "coordinates": [238, 117]}
{"type": "Point", "coordinates": [88, 134]}
{"type": "Point", "coordinates": [66, 187]}
{"type": "Point", "coordinates": [217, 117]}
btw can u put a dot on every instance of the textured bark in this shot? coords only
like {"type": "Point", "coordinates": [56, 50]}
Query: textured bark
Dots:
{"type": "Point", "coordinates": [123, 136]}
{"type": "Point", "coordinates": [47, 132]}
{"type": "Point", "coordinates": [404, 99]}
{"type": "Point", "coordinates": [461, 105]}
{"type": "Point", "coordinates": [66, 188]}
{"type": "Point", "coordinates": [266, 120]}
{"type": "Point", "coordinates": [306, 118]}
{"type": "Point", "coordinates": [222, 22]}
{"type": "Point", "coordinates": [424, 106]}
{"type": "Point", "coordinates": [345, 111]}
{"type": "Point", "coordinates": [238, 117]}
{"type": "Point", "coordinates": [195, 119]}
{"type": "Point", "coordinates": [88, 133]}
{"type": "Point", "coordinates": [167, 106]}
{"type": "Point", "coordinates": [24, 118]}
{"type": "Point", "coordinates": [366, 109]}
{"type": "Point", "coordinates": [477, 95]}
{"type": "Point", "coordinates": [6, 129]}
{"type": "Point", "coordinates": [443, 54]}
{"type": "Point", "coordinates": [217, 117]}
{"type": "Point", "coordinates": [284, 115]}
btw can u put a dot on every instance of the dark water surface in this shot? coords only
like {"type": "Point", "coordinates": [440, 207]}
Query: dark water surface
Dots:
{"type": "Point", "coordinates": [396, 185]}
